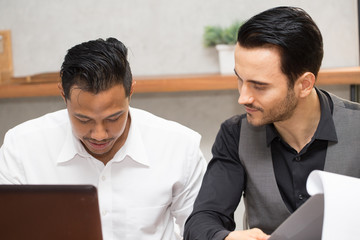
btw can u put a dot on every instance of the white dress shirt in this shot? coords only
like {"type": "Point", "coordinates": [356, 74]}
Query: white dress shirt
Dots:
{"type": "Point", "coordinates": [151, 181]}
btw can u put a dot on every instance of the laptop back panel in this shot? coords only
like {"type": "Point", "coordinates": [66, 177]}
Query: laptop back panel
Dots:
{"type": "Point", "coordinates": [49, 212]}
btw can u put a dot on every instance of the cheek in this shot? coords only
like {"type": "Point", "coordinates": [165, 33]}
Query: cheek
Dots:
{"type": "Point", "coordinates": [117, 129]}
{"type": "Point", "coordinates": [271, 97]}
{"type": "Point", "coordinates": [267, 101]}
{"type": "Point", "coordinates": [79, 130]}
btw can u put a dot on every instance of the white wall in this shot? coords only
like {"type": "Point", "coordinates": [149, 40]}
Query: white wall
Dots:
{"type": "Point", "coordinates": [164, 37]}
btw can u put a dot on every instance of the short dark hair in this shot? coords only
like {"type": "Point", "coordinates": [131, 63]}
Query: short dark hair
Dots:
{"type": "Point", "coordinates": [293, 32]}
{"type": "Point", "coordinates": [95, 66]}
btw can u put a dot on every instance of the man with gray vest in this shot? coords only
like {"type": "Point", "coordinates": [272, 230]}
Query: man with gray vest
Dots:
{"type": "Point", "coordinates": [290, 129]}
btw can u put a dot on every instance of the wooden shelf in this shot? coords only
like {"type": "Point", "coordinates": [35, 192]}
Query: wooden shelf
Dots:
{"type": "Point", "coordinates": [46, 84]}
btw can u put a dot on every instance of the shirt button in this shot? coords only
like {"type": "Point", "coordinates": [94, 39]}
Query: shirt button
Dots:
{"type": "Point", "coordinates": [298, 158]}
{"type": "Point", "coordinates": [104, 212]}
{"type": "Point", "coordinates": [103, 178]}
{"type": "Point", "coordinates": [301, 197]}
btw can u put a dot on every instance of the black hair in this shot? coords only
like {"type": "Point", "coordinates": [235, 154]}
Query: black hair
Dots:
{"type": "Point", "coordinates": [95, 66]}
{"type": "Point", "coordinates": [293, 32]}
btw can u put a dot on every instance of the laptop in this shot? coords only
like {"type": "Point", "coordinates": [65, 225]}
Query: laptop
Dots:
{"type": "Point", "coordinates": [304, 223]}
{"type": "Point", "coordinates": [55, 212]}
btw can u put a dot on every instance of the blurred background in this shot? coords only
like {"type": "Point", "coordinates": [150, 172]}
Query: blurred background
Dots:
{"type": "Point", "coordinates": [164, 37]}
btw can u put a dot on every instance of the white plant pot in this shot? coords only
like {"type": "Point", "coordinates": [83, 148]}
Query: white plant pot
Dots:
{"type": "Point", "coordinates": [226, 58]}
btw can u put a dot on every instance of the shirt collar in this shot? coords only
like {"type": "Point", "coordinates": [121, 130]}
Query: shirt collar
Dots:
{"type": "Point", "coordinates": [326, 127]}
{"type": "Point", "coordinates": [71, 147]}
{"type": "Point", "coordinates": [134, 146]}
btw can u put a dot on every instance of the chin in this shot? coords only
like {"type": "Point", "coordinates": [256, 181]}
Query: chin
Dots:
{"type": "Point", "coordinates": [255, 122]}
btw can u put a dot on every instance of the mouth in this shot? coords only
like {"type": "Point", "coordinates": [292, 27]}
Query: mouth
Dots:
{"type": "Point", "coordinates": [99, 145]}
{"type": "Point", "coordinates": [251, 109]}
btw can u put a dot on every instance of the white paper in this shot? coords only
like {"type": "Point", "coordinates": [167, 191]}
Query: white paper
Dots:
{"type": "Point", "coordinates": [305, 223]}
{"type": "Point", "coordinates": [341, 204]}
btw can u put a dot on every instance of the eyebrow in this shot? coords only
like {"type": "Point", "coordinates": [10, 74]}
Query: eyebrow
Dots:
{"type": "Point", "coordinates": [252, 81]}
{"type": "Point", "coordinates": [79, 115]}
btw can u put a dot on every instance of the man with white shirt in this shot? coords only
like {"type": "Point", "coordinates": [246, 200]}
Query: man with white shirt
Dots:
{"type": "Point", "coordinates": [147, 170]}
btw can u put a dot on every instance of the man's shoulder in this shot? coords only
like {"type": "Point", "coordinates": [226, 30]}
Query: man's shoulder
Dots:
{"type": "Point", "coordinates": [43, 123]}
{"type": "Point", "coordinates": [230, 128]}
{"type": "Point", "coordinates": [234, 122]}
{"type": "Point", "coordinates": [344, 103]}
{"type": "Point", "coordinates": [236, 119]}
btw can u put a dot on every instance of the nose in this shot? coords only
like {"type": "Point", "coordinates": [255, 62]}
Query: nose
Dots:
{"type": "Point", "coordinates": [99, 132]}
{"type": "Point", "coordinates": [245, 95]}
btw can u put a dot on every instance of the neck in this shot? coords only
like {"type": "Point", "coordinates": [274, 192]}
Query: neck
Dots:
{"type": "Point", "coordinates": [298, 130]}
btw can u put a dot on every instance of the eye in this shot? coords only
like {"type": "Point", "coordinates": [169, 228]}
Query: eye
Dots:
{"type": "Point", "coordinates": [113, 119]}
{"type": "Point", "coordinates": [240, 82]}
{"type": "Point", "coordinates": [83, 121]}
{"type": "Point", "coordinates": [259, 87]}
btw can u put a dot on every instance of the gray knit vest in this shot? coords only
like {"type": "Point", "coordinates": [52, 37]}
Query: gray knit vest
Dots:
{"type": "Point", "coordinates": [264, 206]}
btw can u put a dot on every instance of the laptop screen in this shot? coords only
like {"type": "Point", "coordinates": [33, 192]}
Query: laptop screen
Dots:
{"type": "Point", "coordinates": [49, 212]}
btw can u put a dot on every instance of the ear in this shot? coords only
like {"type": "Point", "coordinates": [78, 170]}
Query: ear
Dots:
{"type": "Point", "coordinates": [132, 88]}
{"type": "Point", "coordinates": [62, 92]}
{"type": "Point", "coordinates": [306, 83]}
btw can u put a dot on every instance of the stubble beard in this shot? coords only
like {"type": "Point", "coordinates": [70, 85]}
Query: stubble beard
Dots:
{"type": "Point", "coordinates": [279, 112]}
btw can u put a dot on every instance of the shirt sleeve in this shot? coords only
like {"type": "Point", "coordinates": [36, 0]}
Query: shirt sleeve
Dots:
{"type": "Point", "coordinates": [11, 171]}
{"type": "Point", "coordinates": [184, 196]}
{"type": "Point", "coordinates": [220, 193]}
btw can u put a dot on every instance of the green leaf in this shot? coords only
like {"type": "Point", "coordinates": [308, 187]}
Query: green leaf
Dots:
{"type": "Point", "coordinates": [214, 35]}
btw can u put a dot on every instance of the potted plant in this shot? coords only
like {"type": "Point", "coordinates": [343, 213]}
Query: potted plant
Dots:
{"type": "Point", "coordinates": [224, 40]}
